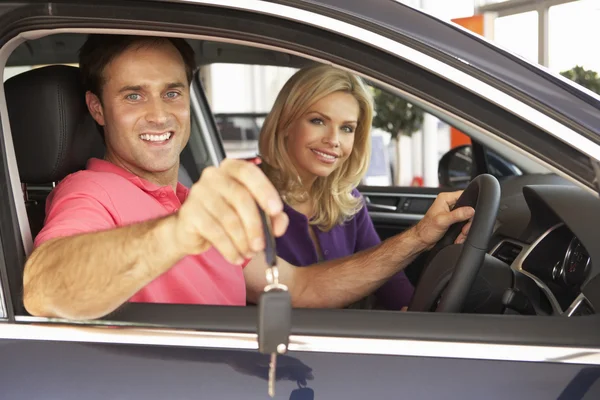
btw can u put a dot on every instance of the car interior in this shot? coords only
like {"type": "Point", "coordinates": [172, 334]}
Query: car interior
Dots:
{"type": "Point", "coordinates": [537, 264]}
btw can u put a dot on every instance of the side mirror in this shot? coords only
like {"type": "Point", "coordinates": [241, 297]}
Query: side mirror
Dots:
{"type": "Point", "coordinates": [455, 167]}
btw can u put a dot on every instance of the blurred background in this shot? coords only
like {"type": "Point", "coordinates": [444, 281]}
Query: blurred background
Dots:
{"type": "Point", "coordinates": [561, 35]}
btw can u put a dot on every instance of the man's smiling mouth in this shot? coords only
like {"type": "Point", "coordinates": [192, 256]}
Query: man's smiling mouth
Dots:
{"type": "Point", "coordinates": [150, 137]}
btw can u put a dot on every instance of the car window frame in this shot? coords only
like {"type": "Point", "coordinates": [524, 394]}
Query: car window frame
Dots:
{"type": "Point", "coordinates": [392, 329]}
{"type": "Point", "coordinates": [208, 138]}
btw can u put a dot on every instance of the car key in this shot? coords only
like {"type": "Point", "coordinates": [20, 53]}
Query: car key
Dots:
{"type": "Point", "coordinates": [274, 309]}
{"type": "Point", "coordinates": [274, 325]}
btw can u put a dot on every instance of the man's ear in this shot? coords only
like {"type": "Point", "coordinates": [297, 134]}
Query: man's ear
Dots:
{"type": "Point", "coordinates": [95, 107]}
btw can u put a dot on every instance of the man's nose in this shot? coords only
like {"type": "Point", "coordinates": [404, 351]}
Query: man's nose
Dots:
{"type": "Point", "coordinates": [157, 112]}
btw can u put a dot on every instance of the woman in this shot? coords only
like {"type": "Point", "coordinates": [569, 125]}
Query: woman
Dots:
{"type": "Point", "coordinates": [315, 148]}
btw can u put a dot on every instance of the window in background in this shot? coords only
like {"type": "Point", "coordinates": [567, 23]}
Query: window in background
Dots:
{"type": "Point", "coordinates": [242, 88]}
{"type": "Point", "coordinates": [241, 95]}
{"type": "Point", "coordinates": [574, 33]}
{"type": "Point", "coordinates": [518, 33]}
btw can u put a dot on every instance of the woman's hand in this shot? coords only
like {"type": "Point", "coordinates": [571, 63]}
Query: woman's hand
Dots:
{"type": "Point", "coordinates": [440, 217]}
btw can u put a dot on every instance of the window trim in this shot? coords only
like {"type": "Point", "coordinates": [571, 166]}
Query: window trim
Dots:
{"type": "Point", "coordinates": [3, 303]}
{"type": "Point", "coordinates": [150, 336]}
{"type": "Point", "coordinates": [206, 123]}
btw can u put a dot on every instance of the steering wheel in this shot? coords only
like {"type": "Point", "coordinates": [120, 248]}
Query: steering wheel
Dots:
{"type": "Point", "coordinates": [460, 262]}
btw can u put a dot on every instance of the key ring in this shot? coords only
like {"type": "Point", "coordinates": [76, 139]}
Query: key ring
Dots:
{"type": "Point", "coordinates": [273, 280]}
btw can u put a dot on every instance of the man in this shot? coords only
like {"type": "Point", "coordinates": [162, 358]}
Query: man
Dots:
{"type": "Point", "coordinates": [125, 230]}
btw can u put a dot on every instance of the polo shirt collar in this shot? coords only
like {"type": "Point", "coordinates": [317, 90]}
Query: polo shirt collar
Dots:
{"type": "Point", "coordinates": [99, 165]}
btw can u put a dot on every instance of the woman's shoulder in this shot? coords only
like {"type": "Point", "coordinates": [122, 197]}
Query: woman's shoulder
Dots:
{"type": "Point", "coordinates": [361, 208]}
{"type": "Point", "coordinates": [356, 193]}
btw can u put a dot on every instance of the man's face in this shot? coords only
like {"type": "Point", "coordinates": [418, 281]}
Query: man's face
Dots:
{"type": "Point", "coordinates": [145, 110]}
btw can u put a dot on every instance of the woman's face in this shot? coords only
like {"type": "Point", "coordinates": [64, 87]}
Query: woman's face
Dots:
{"type": "Point", "coordinates": [322, 139]}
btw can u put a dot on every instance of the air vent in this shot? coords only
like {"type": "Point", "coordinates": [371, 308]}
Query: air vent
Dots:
{"type": "Point", "coordinates": [507, 252]}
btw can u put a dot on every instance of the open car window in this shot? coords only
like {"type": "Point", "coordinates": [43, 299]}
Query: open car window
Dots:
{"type": "Point", "coordinates": [229, 101]}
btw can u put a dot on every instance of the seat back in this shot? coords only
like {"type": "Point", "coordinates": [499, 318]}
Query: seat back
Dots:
{"type": "Point", "coordinates": [53, 133]}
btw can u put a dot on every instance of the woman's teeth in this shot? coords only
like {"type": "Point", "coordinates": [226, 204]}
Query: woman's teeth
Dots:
{"type": "Point", "coordinates": [327, 156]}
{"type": "Point", "coordinates": [156, 138]}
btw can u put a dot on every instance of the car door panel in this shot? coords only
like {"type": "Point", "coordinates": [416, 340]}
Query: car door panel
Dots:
{"type": "Point", "coordinates": [127, 371]}
{"type": "Point", "coordinates": [395, 209]}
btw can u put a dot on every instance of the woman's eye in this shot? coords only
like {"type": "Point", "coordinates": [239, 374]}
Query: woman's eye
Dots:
{"type": "Point", "coordinates": [317, 121]}
{"type": "Point", "coordinates": [348, 129]}
{"type": "Point", "coordinates": [133, 96]}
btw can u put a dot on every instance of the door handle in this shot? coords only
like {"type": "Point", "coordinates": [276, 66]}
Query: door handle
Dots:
{"type": "Point", "coordinates": [379, 207]}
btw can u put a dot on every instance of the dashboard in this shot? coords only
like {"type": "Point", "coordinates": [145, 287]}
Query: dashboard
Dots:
{"type": "Point", "coordinates": [557, 262]}
{"type": "Point", "coordinates": [551, 254]}
{"type": "Point", "coordinates": [545, 235]}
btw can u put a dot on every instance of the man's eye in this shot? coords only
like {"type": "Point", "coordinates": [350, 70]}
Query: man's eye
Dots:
{"type": "Point", "coordinates": [133, 96]}
{"type": "Point", "coordinates": [317, 121]}
{"type": "Point", "coordinates": [172, 95]}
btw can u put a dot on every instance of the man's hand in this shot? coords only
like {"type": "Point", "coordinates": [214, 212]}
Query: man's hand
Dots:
{"type": "Point", "coordinates": [439, 218]}
{"type": "Point", "coordinates": [221, 211]}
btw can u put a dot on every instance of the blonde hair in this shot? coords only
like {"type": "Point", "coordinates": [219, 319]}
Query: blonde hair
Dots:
{"type": "Point", "coordinates": [332, 196]}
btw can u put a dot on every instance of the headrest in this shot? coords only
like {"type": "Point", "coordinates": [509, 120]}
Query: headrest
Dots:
{"type": "Point", "coordinates": [53, 133]}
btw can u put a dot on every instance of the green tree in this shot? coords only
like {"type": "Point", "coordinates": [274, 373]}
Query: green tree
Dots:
{"type": "Point", "coordinates": [395, 115]}
{"type": "Point", "coordinates": [585, 77]}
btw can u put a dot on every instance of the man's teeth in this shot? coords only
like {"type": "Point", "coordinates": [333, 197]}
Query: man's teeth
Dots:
{"type": "Point", "coordinates": [156, 138]}
{"type": "Point", "coordinates": [325, 155]}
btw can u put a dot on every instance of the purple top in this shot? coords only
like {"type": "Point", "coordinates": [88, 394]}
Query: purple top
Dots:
{"type": "Point", "coordinates": [297, 248]}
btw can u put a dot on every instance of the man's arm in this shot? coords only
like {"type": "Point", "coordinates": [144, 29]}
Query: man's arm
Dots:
{"type": "Point", "coordinates": [340, 282]}
{"type": "Point", "coordinates": [89, 275]}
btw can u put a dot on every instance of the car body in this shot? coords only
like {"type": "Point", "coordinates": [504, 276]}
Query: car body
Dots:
{"type": "Point", "coordinates": [538, 121]}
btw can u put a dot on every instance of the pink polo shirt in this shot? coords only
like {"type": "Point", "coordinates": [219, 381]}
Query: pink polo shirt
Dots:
{"type": "Point", "coordinates": [105, 196]}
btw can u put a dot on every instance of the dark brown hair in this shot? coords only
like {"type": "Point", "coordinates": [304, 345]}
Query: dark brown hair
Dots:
{"type": "Point", "coordinates": [99, 50]}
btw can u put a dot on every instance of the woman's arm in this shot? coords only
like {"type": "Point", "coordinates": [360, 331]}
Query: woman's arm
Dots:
{"type": "Point", "coordinates": [397, 291]}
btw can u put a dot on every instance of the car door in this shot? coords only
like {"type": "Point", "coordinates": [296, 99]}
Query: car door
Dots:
{"type": "Point", "coordinates": [157, 351]}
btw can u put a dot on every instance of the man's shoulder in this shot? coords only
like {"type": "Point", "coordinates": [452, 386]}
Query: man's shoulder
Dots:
{"type": "Point", "coordinates": [91, 181]}
{"type": "Point", "coordinates": [102, 187]}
